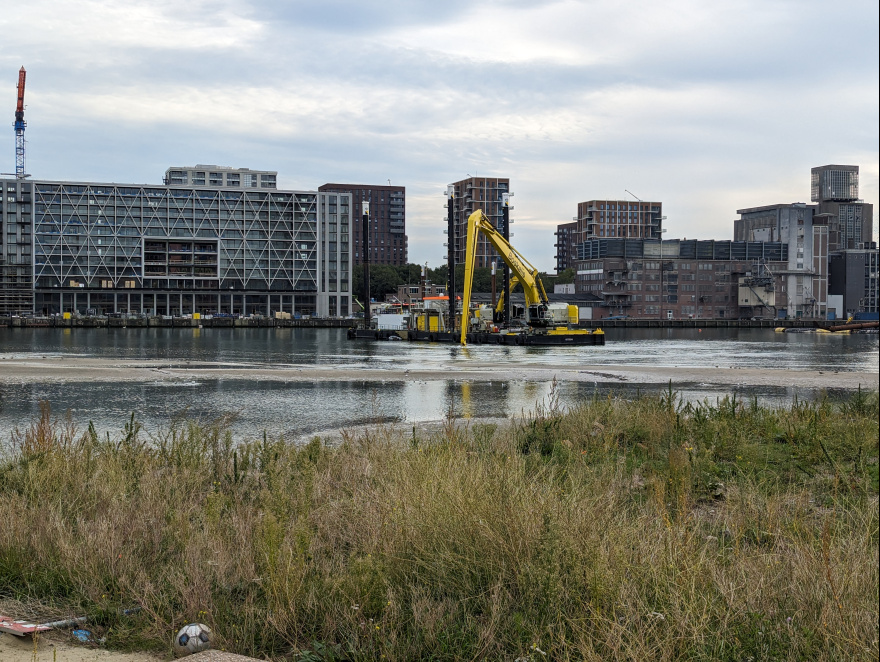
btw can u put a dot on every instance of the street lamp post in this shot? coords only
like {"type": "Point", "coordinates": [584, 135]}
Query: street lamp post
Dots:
{"type": "Point", "coordinates": [450, 254]}
{"type": "Point", "coordinates": [366, 262]}
{"type": "Point", "coordinates": [661, 272]}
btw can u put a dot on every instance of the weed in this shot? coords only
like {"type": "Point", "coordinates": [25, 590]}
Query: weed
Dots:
{"type": "Point", "coordinates": [642, 529]}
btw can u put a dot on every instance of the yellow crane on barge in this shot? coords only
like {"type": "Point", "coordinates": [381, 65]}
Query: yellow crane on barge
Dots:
{"type": "Point", "coordinates": [546, 323]}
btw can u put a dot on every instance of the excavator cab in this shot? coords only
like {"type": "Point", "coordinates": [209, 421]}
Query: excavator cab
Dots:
{"type": "Point", "coordinates": [538, 315]}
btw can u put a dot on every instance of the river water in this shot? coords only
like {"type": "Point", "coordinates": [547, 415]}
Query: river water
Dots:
{"type": "Point", "coordinates": [299, 409]}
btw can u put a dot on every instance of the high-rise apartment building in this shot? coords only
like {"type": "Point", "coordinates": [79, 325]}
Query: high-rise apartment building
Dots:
{"type": "Point", "coordinates": [477, 193]}
{"type": "Point", "coordinates": [220, 177]}
{"type": "Point", "coordinates": [108, 248]}
{"type": "Point", "coordinates": [566, 246]}
{"type": "Point", "coordinates": [388, 240]}
{"type": "Point", "coordinates": [850, 220]}
{"type": "Point", "coordinates": [630, 219]}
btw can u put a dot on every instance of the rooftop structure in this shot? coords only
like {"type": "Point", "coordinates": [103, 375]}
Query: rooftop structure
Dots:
{"type": "Point", "coordinates": [850, 220]}
{"type": "Point", "coordinates": [834, 182]}
{"type": "Point", "coordinates": [220, 177]}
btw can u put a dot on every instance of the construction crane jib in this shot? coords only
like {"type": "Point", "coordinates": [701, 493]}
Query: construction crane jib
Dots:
{"type": "Point", "coordinates": [522, 269]}
{"type": "Point", "coordinates": [20, 125]}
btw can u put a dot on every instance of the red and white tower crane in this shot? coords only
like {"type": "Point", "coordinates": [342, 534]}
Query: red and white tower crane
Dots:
{"type": "Point", "coordinates": [20, 125]}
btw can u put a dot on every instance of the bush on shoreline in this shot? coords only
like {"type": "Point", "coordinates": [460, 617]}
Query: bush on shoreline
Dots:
{"type": "Point", "coordinates": [645, 529]}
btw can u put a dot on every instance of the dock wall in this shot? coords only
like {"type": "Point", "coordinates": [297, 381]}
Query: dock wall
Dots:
{"type": "Point", "coordinates": [325, 323]}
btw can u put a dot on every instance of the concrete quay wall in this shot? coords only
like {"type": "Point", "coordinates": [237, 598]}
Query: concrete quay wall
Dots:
{"type": "Point", "coordinates": [172, 322]}
{"type": "Point", "coordinates": [269, 322]}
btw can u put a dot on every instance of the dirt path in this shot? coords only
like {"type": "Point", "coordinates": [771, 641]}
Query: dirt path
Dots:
{"type": "Point", "coordinates": [56, 647]}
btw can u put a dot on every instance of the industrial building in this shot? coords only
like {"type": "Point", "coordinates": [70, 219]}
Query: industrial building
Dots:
{"type": "Point", "coordinates": [805, 232]}
{"type": "Point", "coordinates": [474, 193]}
{"type": "Point", "coordinates": [677, 279]}
{"type": "Point", "coordinates": [103, 248]}
{"type": "Point", "coordinates": [388, 240]}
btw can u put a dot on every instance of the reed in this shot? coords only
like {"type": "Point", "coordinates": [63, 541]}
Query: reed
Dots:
{"type": "Point", "coordinates": [617, 530]}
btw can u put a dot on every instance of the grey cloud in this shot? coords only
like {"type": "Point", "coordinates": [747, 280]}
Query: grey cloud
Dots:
{"type": "Point", "coordinates": [709, 116]}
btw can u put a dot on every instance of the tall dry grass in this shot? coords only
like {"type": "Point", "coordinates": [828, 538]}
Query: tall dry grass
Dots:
{"type": "Point", "coordinates": [621, 530]}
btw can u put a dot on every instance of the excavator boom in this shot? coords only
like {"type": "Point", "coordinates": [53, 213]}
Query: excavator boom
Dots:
{"type": "Point", "coordinates": [514, 281]}
{"type": "Point", "coordinates": [522, 269]}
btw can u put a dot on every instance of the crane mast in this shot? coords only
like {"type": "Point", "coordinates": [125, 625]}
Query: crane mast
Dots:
{"type": "Point", "coordinates": [20, 125]}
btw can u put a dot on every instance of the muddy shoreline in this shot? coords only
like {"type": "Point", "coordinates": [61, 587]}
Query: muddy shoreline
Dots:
{"type": "Point", "coordinates": [61, 369]}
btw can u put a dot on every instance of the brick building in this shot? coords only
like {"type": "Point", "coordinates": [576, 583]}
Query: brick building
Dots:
{"type": "Point", "coordinates": [677, 279]}
{"type": "Point", "coordinates": [630, 219]}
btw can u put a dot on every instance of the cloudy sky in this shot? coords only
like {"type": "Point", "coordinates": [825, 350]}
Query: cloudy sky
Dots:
{"type": "Point", "coordinates": [705, 106]}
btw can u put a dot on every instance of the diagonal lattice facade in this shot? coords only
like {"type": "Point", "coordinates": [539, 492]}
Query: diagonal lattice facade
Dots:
{"type": "Point", "coordinates": [177, 250]}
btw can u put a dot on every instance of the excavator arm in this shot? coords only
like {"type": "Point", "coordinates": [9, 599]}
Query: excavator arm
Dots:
{"type": "Point", "coordinates": [514, 281]}
{"type": "Point", "coordinates": [522, 269]}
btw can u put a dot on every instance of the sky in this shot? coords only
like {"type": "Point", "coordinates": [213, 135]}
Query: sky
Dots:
{"type": "Point", "coordinates": [708, 107]}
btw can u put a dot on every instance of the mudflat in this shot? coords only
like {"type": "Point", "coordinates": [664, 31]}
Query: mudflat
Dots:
{"type": "Point", "coordinates": [59, 369]}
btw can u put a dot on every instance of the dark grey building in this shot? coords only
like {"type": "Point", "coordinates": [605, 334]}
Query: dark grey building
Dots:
{"type": "Point", "coordinates": [566, 245]}
{"type": "Point", "coordinates": [854, 277]}
{"type": "Point", "coordinates": [388, 240]}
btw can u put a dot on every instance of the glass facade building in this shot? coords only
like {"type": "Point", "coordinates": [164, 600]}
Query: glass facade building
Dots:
{"type": "Point", "coordinates": [172, 250]}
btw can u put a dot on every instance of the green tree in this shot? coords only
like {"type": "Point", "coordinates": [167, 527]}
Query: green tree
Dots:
{"type": "Point", "coordinates": [384, 280]}
{"type": "Point", "coordinates": [565, 277]}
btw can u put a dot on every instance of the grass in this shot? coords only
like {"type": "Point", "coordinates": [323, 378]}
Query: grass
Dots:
{"type": "Point", "coordinates": [619, 530]}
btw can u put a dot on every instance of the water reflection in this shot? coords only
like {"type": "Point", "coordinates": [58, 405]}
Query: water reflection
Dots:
{"type": "Point", "coordinates": [289, 408]}
{"type": "Point", "coordinates": [296, 409]}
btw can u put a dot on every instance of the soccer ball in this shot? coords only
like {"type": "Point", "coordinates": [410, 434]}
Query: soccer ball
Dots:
{"type": "Point", "coordinates": [192, 638]}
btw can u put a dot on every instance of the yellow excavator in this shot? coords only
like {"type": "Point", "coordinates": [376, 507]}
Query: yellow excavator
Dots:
{"type": "Point", "coordinates": [540, 315]}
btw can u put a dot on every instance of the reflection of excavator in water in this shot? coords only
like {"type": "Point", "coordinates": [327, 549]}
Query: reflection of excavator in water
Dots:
{"type": "Point", "coordinates": [545, 323]}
